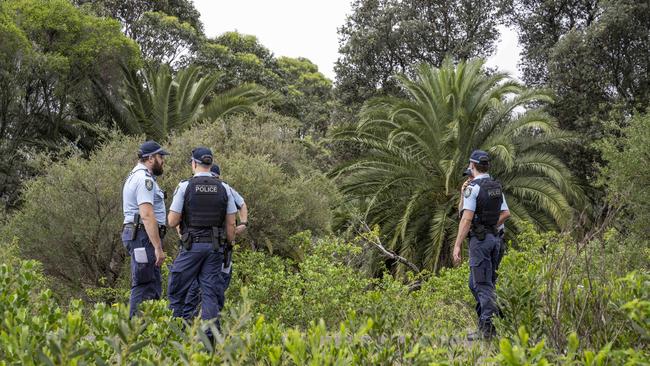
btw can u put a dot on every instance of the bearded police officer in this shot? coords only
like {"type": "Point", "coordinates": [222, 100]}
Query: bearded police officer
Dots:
{"type": "Point", "coordinates": [205, 210]}
{"type": "Point", "coordinates": [484, 210]}
{"type": "Point", "coordinates": [143, 204]}
{"type": "Point", "coordinates": [190, 310]}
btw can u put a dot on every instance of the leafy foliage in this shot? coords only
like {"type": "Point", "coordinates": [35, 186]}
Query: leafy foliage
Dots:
{"type": "Point", "coordinates": [166, 30]}
{"type": "Point", "coordinates": [51, 60]}
{"type": "Point", "coordinates": [304, 92]}
{"type": "Point", "coordinates": [157, 102]}
{"type": "Point", "coordinates": [321, 312]}
{"type": "Point", "coordinates": [91, 189]}
{"type": "Point", "coordinates": [593, 55]}
{"type": "Point", "coordinates": [418, 146]}
{"type": "Point", "coordinates": [624, 178]}
{"type": "Point", "coordinates": [383, 38]}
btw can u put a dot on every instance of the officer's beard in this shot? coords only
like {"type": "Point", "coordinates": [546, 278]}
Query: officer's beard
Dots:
{"type": "Point", "coordinates": [157, 168]}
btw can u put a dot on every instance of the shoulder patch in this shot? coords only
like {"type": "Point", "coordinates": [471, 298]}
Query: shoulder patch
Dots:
{"type": "Point", "coordinates": [148, 183]}
{"type": "Point", "coordinates": [468, 192]}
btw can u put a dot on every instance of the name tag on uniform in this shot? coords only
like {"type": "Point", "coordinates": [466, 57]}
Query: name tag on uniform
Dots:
{"type": "Point", "coordinates": [140, 255]}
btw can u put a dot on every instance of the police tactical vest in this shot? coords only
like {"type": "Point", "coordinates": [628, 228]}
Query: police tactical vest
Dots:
{"type": "Point", "coordinates": [488, 203]}
{"type": "Point", "coordinates": [204, 206]}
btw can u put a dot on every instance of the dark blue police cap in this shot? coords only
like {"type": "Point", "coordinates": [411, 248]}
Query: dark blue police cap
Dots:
{"type": "Point", "coordinates": [215, 169]}
{"type": "Point", "coordinates": [479, 156]}
{"type": "Point", "coordinates": [202, 155]}
{"type": "Point", "coordinates": [149, 148]}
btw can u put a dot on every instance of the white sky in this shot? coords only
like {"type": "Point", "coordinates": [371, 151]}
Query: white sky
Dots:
{"type": "Point", "coordinates": [307, 28]}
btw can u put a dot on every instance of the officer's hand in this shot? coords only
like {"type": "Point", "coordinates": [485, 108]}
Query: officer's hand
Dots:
{"type": "Point", "coordinates": [240, 229]}
{"type": "Point", "coordinates": [457, 257]}
{"type": "Point", "coordinates": [465, 184]}
{"type": "Point", "coordinates": [160, 256]}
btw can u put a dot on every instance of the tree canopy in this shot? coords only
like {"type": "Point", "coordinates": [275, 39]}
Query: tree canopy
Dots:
{"type": "Point", "coordinates": [417, 147]}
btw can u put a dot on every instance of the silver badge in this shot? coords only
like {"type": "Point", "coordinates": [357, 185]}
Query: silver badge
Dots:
{"type": "Point", "coordinates": [149, 184]}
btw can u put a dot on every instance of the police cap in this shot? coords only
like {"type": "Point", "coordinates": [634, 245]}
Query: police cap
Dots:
{"type": "Point", "coordinates": [479, 157]}
{"type": "Point", "coordinates": [215, 169]}
{"type": "Point", "coordinates": [202, 155]}
{"type": "Point", "coordinates": [149, 148]}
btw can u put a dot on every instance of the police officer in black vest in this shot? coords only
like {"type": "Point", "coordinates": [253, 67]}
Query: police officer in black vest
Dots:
{"type": "Point", "coordinates": [484, 210]}
{"type": "Point", "coordinates": [205, 210]}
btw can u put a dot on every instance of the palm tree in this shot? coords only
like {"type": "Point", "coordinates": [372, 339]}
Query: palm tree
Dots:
{"type": "Point", "coordinates": [155, 102]}
{"type": "Point", "coordinates": [408, 180]}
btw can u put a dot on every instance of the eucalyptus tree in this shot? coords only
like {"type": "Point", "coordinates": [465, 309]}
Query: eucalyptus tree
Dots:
{"type": "Point", "coordinates": [408, 180]}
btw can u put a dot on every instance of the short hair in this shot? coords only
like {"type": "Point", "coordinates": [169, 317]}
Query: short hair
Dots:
{"type": "Point", "coordinates": [482, 167]}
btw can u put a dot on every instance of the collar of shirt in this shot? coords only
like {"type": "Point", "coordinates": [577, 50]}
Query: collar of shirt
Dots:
{"type": "Point", "coordinates": [140, 166]}
{"type": "Point", "coordinates": [481, 176]}
{"type": "Point", "coordinates": [204, 174]}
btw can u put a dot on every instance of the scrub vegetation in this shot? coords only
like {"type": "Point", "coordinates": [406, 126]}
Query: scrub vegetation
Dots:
{"type": "Point", "coordinates": [352, 185]}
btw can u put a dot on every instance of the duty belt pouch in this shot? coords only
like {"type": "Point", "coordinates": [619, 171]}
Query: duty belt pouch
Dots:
{"type": "Point", "coordinates": [227, 259]}
{"type": "Point", "coordinates": [136, 226]}
{"type": "Point", "coordinates": [217, 234]}
{"type": "Point", "coordinates": [186, 241]}
{"type": "Point", "coordinates": [479, 232]}
{"type": "Point", "coordinates": [162, 231]}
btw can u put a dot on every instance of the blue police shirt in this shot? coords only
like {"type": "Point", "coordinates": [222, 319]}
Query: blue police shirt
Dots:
{"type": "Point", "coordinates": [141, 187]}
{"type": "Point", "coordinates": [239, 200]}
{"type": "Point", "coordinates": [469, 202]}
{"type": "Point", "coordinates": [179, 196]}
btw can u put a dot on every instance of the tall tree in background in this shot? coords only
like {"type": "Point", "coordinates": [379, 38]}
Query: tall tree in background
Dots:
{"type": "Point", "coordinates": [594, 55]}
{"type": "Point", "coordinates": [51, 55]}
{"type": "Point", "coordinates": [305, 93]}
{"type": "Point", "coordinates": [418, 146]}
{"type": "Point", "coordinates": [166, 30]}
{"type": "Point", "coordinates": [385, 37]}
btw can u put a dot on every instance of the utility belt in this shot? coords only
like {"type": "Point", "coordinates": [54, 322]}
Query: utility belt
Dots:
{"type": "Point", "coordinates": [218, 239]}
{"type": "Point", "coordinates": [137, 224]}
{"type": "Point", "coordinates": [480, 231]}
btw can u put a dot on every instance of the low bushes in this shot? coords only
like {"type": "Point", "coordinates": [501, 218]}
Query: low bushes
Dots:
{"type": "Point", "coordinates": [319, 310]}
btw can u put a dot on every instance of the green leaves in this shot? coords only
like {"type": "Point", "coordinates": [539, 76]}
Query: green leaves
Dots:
{"type": "Point", "coordinates": [418, 146]}
{"type": "Point", "coordinates": [155, 102]}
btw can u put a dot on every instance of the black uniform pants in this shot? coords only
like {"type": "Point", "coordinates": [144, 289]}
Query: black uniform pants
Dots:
{"type": "Point", "coordinates": [484, 257]}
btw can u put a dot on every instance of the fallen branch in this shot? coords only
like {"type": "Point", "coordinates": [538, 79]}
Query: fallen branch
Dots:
{"type": "Point", "coordinates": [374, 240]}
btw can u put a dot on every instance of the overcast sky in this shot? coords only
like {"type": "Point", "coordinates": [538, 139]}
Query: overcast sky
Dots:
{"type": "Point", "coordinates": [307, 28]}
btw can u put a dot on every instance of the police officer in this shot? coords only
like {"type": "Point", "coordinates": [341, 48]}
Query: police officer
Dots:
{"type": "Point", "coordinates": [484, 210]}
{"type": "Point", "coordinates": [242, 209]}
{"type": "Point", "coordinates": [501, 236]}
{"type": "Point", "coordinates": [205, 210]}
{"type": "Point", "coordinates": [143, 205]}
{"type": "Point", "coordinates": [190, 310]}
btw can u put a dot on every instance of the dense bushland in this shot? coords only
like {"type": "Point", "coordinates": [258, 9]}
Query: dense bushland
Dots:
{"type": "Point", "coordinates": [321, 311]}
{"type": "Point", "coordinates": [77, 203]}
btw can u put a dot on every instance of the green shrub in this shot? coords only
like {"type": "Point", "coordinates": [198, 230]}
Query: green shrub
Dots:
{"type": "Point", "coordinates": [336, 316]}
{"type": "Point", "coordinates": [555, 286]}
{"type": "Point", "coordinates": [72, 215]}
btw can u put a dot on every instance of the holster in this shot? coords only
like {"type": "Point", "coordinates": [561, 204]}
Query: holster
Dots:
{"type": "Point", "coordinates": [480, 230]}
{"type": "Point", "coordinates": [186, 241]}
{"type": "Point", "coordinates": [227, 255]}
{"type": "Point", "coordinates": [218, 237]}
{"type": "Point", "coordinates": [136, 226]}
